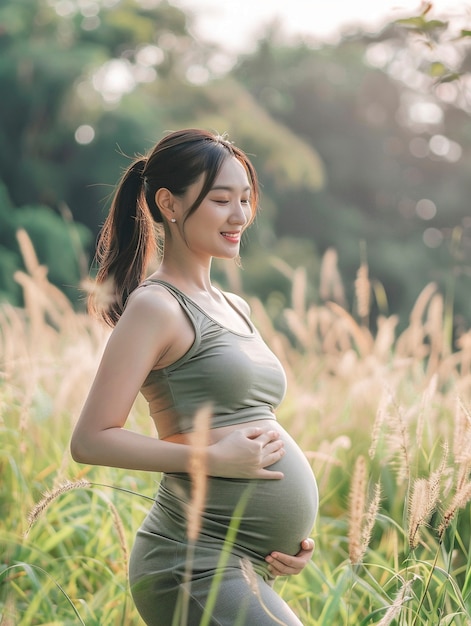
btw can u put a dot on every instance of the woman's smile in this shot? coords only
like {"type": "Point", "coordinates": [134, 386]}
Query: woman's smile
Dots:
{"type": "Point", "coordinates": [232, 236]}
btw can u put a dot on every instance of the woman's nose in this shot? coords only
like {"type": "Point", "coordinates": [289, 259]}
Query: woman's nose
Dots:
{"type": "Point", "coordinates": [239, 214]}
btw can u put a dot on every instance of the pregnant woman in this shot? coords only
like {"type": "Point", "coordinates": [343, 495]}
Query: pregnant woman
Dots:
{"type": "Point", "coordinates": [189, 347]}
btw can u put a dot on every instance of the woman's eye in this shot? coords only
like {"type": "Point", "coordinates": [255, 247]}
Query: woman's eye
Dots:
{"type": "Point", "coordinates": [226, 201]}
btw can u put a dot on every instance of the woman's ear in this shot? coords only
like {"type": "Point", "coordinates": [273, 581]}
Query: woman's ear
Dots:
{"type": "Point", "coordinates": [164, 199]}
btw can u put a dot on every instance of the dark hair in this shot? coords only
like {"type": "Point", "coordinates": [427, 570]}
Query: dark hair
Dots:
{"type": "Point", "coordinates": [127, 240]}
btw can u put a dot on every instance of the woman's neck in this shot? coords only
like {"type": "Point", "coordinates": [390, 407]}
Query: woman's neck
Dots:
{"type": "Point", "coordinates": [190, 279]}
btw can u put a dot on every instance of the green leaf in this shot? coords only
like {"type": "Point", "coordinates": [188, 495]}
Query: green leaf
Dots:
{"type": "Point", "coordinates": [412, 22]}
{"type": "Point", "coordinates": [448, 78]}
{"type": "Point", "coordinates": [421, 24]}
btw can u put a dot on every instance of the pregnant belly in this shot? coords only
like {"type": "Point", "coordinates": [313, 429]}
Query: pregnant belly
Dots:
{"type": "Point", "coordinates": [268, 514]}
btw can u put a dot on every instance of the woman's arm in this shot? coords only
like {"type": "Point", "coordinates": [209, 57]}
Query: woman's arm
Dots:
{"type": "Point", "coordinates": [154, 331]}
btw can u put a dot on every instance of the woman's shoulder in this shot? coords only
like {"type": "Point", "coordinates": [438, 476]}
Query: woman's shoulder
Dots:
{"type": "Point", "coordinates": [151, 301]}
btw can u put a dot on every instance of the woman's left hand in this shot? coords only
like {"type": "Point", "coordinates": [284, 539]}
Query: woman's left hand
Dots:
{"type": "Point", "coordinates": [280, 564]}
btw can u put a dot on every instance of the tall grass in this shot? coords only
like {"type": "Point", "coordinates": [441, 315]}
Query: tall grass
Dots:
{"type": "Point", "coordinates": [385, 421]}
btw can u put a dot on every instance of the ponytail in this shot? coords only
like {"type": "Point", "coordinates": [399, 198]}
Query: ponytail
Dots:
{"type": "Point", "coordinates": [125, 246]}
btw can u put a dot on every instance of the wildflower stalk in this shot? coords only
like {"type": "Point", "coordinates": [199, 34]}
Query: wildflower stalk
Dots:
{"type": "Point", "coordinates": [362, 515]}
{"type": "Point", "coordinates": [395, 608]}
{"type": "Point", "coordinates": [50, 496]}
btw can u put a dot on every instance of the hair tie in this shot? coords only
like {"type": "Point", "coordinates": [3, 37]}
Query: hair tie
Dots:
{"type": "Point", "coordinates": [138, 168]}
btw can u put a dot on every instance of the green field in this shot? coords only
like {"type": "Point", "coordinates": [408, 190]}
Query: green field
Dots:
{"type": "Point", "coordinates": [384, 420]}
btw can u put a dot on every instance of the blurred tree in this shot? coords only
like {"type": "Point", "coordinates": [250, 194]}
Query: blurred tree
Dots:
{"type": "Point", "coordinates": [363, 142]}
{"type": "Point", "coordinates": [92, 84]}
{"type": "Point", "coordinates": [64, 68]}
{"type": "Point", "coordinates": [396, 175]}
{"type": "Point", "coordinates": [59, 244]}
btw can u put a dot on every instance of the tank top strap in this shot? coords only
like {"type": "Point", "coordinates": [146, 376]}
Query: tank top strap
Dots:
{"type": "Point", "coordinates": [185, 302]}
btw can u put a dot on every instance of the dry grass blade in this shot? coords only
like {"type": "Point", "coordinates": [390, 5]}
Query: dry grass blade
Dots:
{"type": "Point", "coordinates": [297, 327]}
{"type": "Point", "coordinates": [420, 305]}
{"type": "Point", "coordinates": [370, 518]}
{"type": "Point", "coordinates": [423, 501]}
{"type": "Point", "coordinates": [459, 501]}
{"type": "Point", "coordinates": [462, 433]}
{"type": "Point", "coordinates": [421, 508]}
{"type": "Point", "coordinates": [29, 255]}
{"type": "Point", "coordinates": [464, 344]}
{"type": "Point", "coordinates": [9, 616]}
{"type": "Point", "coordinates": [385, 336]}
{"type": "Point", "coordinates": [357, 502]}
{"type": "Point", "coordinates": [251, 579]}
{"type": "Point", "coordinates": [393, 611]}
{"type": "Point", "coordinates": [102, 295]}
{"type": "Point", "coordinates": [284, 268]}
{"type": "Point", "coordinates": [249, 575]}
{"type": "Point", "coordinates": [435, 331]}
{"type": "Point", "coordinates": [363, 293]}
{"type": "Point", "coordinates": [198, 471]}
{"type": "Point", "coordinates": [426, 403]}
{"type": "Point", "coordinates": [413, 339]}
{"type": "Point", "coordinates": [121, 534]}
{"type": "Point", "coordinates": [331, 286]}
{"type": "Point", "coordinates": [298, 291]}
{"type": "Point", "coordinates": [398, 443]}
{"type": "Point", "coordinates": [381, 414]}
{"type": "Point", "coordinates": [361, 335]}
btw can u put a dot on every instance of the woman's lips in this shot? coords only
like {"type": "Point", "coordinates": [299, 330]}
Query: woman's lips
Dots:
{"type": "Point", "coordinates": [233, 237]}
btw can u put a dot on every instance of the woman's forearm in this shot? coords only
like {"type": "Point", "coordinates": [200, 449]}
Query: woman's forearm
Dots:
{"type": "Point", "coordinates": [118, 447]}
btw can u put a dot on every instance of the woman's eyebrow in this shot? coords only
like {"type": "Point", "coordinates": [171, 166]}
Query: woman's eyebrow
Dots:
{"type": "Point", "coordinates": [228, 188]}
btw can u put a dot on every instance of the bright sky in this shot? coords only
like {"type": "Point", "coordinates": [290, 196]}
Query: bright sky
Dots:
{"type": "Point", "coordinates": [236, 24]}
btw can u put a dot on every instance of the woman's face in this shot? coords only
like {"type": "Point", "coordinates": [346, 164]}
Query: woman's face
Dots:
{"type": "Point", "coordinates": [215, 227]}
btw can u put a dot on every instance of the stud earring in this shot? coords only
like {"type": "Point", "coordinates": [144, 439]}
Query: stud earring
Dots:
{"type": "Point", "coordinates": [173, 220]}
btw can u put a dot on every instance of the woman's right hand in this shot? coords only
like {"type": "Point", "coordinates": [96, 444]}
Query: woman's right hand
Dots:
{"type": "Point", "coordinates": [246, 453]}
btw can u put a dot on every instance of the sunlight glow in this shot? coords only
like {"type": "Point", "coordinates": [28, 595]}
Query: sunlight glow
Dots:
{"type": "Point", "coordinates": [423, 112]}
{"type": "Point", "coordinates": [443, 147]}
{"type": "Point", "coordinates": [114, 79]}
{"type": "Point", "coordinates": [432, 238]}
{"type": "Point", "coordinates": [426, 209]}
{"type": "Point", "coordinates": [197, 74]}
{"type": "Point", "coordinates": [149, 55]}
{"type": "Point", "coordinates": [84, 134]}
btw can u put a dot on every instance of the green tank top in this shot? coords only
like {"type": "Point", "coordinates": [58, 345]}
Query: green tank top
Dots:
{"type": "Point", "coordinates": [236, 373]}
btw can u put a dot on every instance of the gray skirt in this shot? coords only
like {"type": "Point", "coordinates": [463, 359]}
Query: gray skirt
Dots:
{"type": "Point", "coordinates": [242, 520]}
